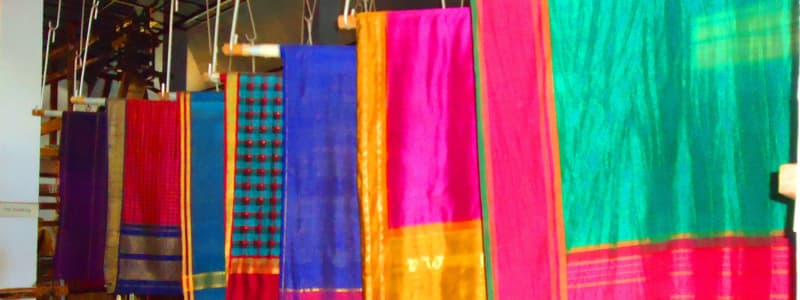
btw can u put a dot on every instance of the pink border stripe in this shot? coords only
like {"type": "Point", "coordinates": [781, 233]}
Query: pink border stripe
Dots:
{"type": "Point", "coordinates": [737, 267]}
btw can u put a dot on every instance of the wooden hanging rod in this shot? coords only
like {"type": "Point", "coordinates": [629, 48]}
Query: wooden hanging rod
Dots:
{"type": "Point", "coordinates": [257, 50]}
{"type": "Point", "coordinates": [88, 100]}
{"type": "Point", "coordinates": [47, 113]}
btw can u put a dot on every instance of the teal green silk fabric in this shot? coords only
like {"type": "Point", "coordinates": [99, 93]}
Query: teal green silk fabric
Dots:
{"type": "Point", "coordinates": [672, 115]}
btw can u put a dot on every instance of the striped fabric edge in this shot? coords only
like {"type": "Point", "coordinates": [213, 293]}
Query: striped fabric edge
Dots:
{"type": "Point", "coordinates": [186, 218]}
{"type": "Point", "coordinates": [627, 268]}
{"type": "Point", "coordinates": [231, 82]}
{"type": "Point", "coordinates": [116, 140]}
{"type": "Point", "coordinates": [555, 215]}
{"type": "Point", "coordinates": [555, 153]}
{"type": "Point", "coordinates": [483, 139]}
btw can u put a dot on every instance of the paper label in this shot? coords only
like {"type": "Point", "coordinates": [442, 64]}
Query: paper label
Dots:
{"type": "Point", "coordinates": [19, 210]}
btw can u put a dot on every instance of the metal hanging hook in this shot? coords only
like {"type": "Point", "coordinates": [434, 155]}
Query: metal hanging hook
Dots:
{"type": "Point", "coordinates": [215, 55]}
{"type": "Point", "coordinates": [251, 39]}
{"type": "Point", "coordinates": [51, 38]}
{"type": "Point", "coordinates": [309, 9]}
{"type": "Point", "coordinates": [346, 11]}
{"type": "Point", "coordinates": [252, 24]}
{"type": "Point", "coordinates": [165, 88]}
{"type": "Point", "coordinates": [92, 17]}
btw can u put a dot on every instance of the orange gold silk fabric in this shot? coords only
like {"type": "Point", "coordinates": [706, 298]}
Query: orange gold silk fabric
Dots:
{"type": "Point", "coordinates": [431, 261]}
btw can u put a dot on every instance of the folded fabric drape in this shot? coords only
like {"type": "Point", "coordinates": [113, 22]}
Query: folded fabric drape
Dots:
{"type": "Point", "coordinates": [417, 159]}
{"type": "Point", "coordinates": [523, 226]}
{"type": "Point", "coordinates": [116, 156]}
{"type": "Point", "coordinates": [320, 255]}
{"type": "Point", "coordinates": [150, 232]}
{"type": "Point", "coordinates": [203, 195]}
{"type": "Point", "coordinates": [672, 116]}
{"type": "Point", "coordinates": [83, 190]}
{"type": "Point", "coordinates": [253, 184]}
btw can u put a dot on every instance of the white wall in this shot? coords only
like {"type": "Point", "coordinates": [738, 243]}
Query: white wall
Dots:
{"type": "Point", "coordinates": [20, 75]}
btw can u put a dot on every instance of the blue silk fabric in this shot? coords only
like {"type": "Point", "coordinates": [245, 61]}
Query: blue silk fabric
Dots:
{"type": "Point", "coordinates": [321, 235]}
{"type": "Point", "coordinates": [207, 194]}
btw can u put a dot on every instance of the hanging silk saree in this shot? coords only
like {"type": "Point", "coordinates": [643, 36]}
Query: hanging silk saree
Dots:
{"type": "Point", "coordinates": [523, 229]}
{"type": "Point", "coordinates": [321, 254]}
{"type": "Point", "coordinates": [150, 231]}
{"type": "Point", "coordinates": [253, 184]}
{"type": "Point", "coordinates": [672, 116]}
{"type": "Point", "coordinates": [417, 160]}
{"type": "Point", "coordinates": [203, 195]}
{"type": "Point", "coordinates": [116, 157]}
{"type": "Point", "coordinates": [83, 190]}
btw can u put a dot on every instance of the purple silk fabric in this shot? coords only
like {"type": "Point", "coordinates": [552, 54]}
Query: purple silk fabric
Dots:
{"type": "Point", "coordinates": [433, 171]}
{"type": "Point", "coordinates": [84, 200]}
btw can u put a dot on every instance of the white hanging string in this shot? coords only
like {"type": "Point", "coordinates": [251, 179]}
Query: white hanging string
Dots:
{"type": "Point", "coordinates": [76, 64]}
{"type": "Point", "coordinates": [213, 66]}
{"type": "Point", "coordinates": [77, 60]}
{"type": "Point", "coordinates": [234, 38]}
{"type": "Point", "coordinates": [172, 9]}
{"type": "Point", "coordinates": [310, 8]}
{"type": "Point", "coordinates": [360, 6]}
{"type": "Point", "coordinates": [233, 25]}
{"type": "Point", "coordinates": [208, 27]}
{"type": "Point", "coordinates": [51, 38]}
{"type": "Point", "coordinates": [92, 17]}
{"type": "Point", "coordinates": [251, 39]}
{"type": "Point", "coordinates": [365, 6]}
{"type": "Point", "coordinates": [346, 11]}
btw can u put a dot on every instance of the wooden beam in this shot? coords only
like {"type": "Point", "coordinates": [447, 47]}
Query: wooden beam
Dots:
{"type": "Point", "coordinates": [48, 168]}
{"type": "Point", "coordinates": [50, 206]}
{"type": "Point", "coordinates": [35, 292]}
{"type": "Point", "coordinates": [68, 48]}
{"type": "Point", "coordinates": [51, 126]}
{"type": "Point", "coordinates": [49, 153]}
{"type": "Point", "coordinates": [43, 224]}
{"type": "Point", "coordinates": [57, 76]}
{"type": "Point", "coordinates": [46, 193]}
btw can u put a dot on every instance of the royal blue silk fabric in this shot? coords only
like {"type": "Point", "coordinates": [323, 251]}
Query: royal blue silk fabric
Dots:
{"type": "Point", "coordinates": [321, 235]}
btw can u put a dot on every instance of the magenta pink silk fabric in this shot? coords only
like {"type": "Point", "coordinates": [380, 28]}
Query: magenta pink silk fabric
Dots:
{"type": "Point", "coordinates": [432, 150]}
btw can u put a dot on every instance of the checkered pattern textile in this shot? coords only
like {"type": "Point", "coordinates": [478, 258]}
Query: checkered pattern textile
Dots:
{"type": "Point", "coordinates": [259, 167]}
{"type": "Point", "coordinates": [152, 170]}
